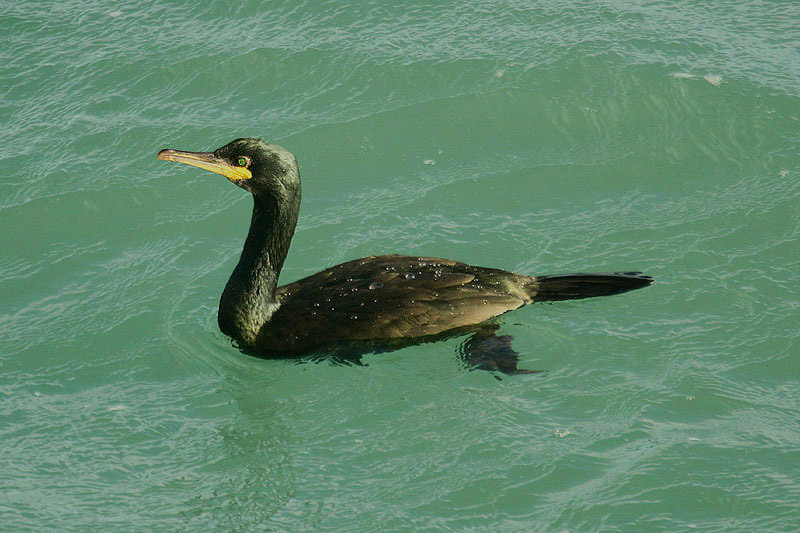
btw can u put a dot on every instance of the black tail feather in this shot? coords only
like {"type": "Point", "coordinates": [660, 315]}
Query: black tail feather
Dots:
{"type": "Point", "coordinates": [576, 286]}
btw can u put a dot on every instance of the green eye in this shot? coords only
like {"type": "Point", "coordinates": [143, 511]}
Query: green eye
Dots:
{"type": "Point", "coordinates": [242, 161]}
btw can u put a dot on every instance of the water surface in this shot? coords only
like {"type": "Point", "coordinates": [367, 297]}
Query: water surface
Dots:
{"type": "Point", "coordinates": [549, 138]}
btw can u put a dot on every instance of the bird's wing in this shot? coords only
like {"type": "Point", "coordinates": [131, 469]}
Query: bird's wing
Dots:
{"type": "Point", "coordinates": [392, 297]}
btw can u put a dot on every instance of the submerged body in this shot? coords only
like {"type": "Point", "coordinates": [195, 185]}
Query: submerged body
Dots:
{"type": "Point", "coordinates": [386, 300]}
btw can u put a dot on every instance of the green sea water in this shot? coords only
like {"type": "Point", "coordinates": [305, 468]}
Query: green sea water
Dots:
{"type": "Point", "coordinates": [539, 137]}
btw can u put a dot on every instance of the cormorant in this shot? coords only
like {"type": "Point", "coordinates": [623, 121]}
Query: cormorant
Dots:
{"type": "Point", "coordinates": [377, 302]}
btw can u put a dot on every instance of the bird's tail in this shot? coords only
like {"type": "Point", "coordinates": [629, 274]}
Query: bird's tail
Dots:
{"type": "Point", "coordinates": [576, 286]}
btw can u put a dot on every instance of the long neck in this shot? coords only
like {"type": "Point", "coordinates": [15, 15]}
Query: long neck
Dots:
{"type": "Point", "coordinates": [248, 300]}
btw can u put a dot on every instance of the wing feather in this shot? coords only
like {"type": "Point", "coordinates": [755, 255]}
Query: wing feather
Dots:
{"type": "Point", "coordinates": [391, 297]}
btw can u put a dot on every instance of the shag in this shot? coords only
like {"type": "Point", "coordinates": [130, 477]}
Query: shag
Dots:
{"type": "Point", "coordinates": [377, 302]}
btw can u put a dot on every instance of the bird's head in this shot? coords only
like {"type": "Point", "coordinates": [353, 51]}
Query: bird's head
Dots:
{"type": "Point", "coordinates": [254, 165]}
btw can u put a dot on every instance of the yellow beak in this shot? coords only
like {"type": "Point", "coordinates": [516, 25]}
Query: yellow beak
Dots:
{"type": "Point", "coordinates": [207, 161]}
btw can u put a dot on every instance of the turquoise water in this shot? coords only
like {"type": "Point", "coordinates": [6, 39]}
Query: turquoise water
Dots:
{"type": "Point", "coordinates": [544, 138]}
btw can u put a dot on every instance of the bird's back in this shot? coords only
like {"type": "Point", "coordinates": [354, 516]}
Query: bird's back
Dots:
{"type": "Point", "coordinates": [386, 298]}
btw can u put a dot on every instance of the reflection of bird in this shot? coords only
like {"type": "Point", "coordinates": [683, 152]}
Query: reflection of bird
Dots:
{"type": "Point", "coordinates": [375, 302]}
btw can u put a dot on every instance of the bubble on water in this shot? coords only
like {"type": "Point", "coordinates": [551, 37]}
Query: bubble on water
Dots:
{"type": "Point", "coordinates": [410, 275]}
{"type": "Point", "coordinates": [561, 433]}
{"type": "Point", "coordinates": [429, 162]}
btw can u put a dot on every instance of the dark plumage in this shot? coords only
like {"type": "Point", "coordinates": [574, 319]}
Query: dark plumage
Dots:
{"type": "Point", "coordinates": [373, 302]}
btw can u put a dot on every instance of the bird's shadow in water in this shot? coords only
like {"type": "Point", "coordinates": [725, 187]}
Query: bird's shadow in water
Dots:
{"type": "Point", "coordinates": [482, 350]}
